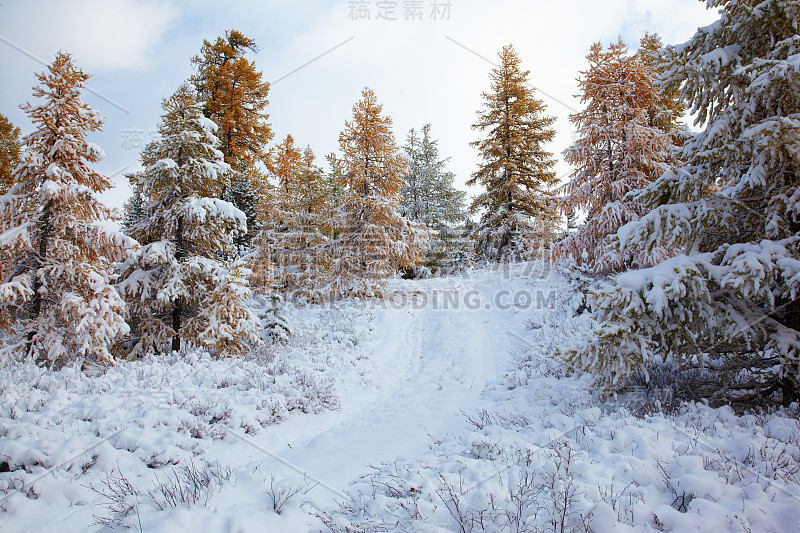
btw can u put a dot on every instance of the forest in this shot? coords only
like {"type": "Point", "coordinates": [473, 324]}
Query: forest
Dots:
{"type": "Point", "coordinates": [671, 254]}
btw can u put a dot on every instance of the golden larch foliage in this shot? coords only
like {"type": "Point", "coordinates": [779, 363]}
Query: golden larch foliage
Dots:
{"type": "Point", "coordinates": [234, 97]}
{"type": "Point", "coordinates": [624, 143]}
{"type": "Point", "coordinates": [516, 171]}
{"type": "Point", "coordinates": [373, 241]}
{"type": "Point", "coordinates": [9, 152]}
{"type": "Point", "coordinates": [56, 297]}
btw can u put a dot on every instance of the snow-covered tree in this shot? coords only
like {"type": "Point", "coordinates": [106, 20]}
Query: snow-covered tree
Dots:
{"type": "Point", "coordinates": [234, 96]}
{"type": "Point", "coordinates": [56, 292]}
{"type": "Point", "coordinates": [729, 299]}
{"type": "Point", "coordinates": [624, 143]}
{"type": "Point", "coordinates": [518, 203]}
{"type": "Point", "coordinates": [373, 241]}
{"type": "Point", "coordinates": [133, 207]}
{"type": "Point", "coordinates": [245, 194]}
{"type": "Point", "coordinates": [429, 198]}
{"type": "Point", "coordinates": [9, 152]}
{"type": "Point", "coordinates": [176, 286]}
{"type": "Point", "coordinates": [297, 220]}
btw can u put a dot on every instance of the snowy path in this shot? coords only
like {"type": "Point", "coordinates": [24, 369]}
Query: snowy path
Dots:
{"type": "Point", "coordinates": [403, 375]}
{"type": "Point", "coordinates": [431, 363]}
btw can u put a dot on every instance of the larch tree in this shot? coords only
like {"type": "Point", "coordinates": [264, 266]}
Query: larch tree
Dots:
{"type": "Point", "coordinates": [9, 152]}
{"type": "Point", "coordinates": [235, 98]}
{"type": "Point", "coordinates": [624, 142]}
{"type": "Point", "coordinates": [728, 301]}
{"type": "Point", "coordinates": [429, 198]}
{"type": "Point", "coordinates": [667, 110]}
{"type": "Point", "coordinates": [516, 172]}
{"type": "Point", "coordinates": [56, 292]}
{"type": "Point", "coordinates": [297, 220]}
{"type": "Point", "coordinates": [176, 286]}
{"type": "Point", "coordinates": [373, 240]}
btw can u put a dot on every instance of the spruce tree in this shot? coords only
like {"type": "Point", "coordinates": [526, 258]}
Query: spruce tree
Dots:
{"type": "Point", "coordinates": [429, 198]}
{"type": "Point", "coordinates": [517, 171]}
{"type": "Point", "coordinates": [373, 241]}
{"type": "Point", "coordinates": [728, 300]}
{"type": "Point", "coordinates": [623, 144]}
{"type": "Point", "coordinates": [177, 287]}
{"type": "Point", "coordinates": [56, 296]}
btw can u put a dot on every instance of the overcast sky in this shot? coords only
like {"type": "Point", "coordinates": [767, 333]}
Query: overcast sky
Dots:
{"type": "Point", "coordinates": [429, 64]}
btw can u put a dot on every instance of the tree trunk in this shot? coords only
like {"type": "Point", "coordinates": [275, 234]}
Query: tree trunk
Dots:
{"type": "Point", "coordinates": [36, 307]}
{"type": "Point", "coordinates": [177, 310]}
{"type": "Point", "coordinates": [790, 388]}
{"type": "Point", "coordinates": [176, 326]}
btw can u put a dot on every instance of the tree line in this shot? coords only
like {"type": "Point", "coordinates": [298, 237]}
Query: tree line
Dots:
{"type": "Point", "coordinates": [695, 234]}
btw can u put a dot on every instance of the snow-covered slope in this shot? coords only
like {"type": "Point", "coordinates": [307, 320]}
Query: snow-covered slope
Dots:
{"type": "Point", "coordinates": [437, 410]}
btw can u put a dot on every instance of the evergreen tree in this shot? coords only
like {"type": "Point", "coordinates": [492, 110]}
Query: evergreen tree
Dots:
{"type": "Point", "coordinates": [245, 195]}
{"type": "Point", "coordinates": [235, 97]}
{"type": "Point", "coordinates": [9, 152]}
{"type": "Point", "coordinates": [133, 207]}
{"type": "Point", "coordinates": [56, 294]}
{"type": "Point", "coordinates": [176, 286]}
{"type": "Point", "coordinates": [517, 172]}
{"type": "Point", "coordinates": [429, 198]}
{"type": "Point", "coordinates": [335, 191]}
{"type": "Point", "coordinates": [729, 300]}
{"type": "Point", "coordinates": [373, 240]}
{"type": "Point", "coordinates": [623, 144]}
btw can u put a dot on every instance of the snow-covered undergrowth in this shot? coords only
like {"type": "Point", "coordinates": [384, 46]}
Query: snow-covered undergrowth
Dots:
{"type": "Point", "coordinates": [448, 391]}
{"type": "Point", "coordinates": [63, 432]}
{"type": "Point", "coordinates": [549, 455]}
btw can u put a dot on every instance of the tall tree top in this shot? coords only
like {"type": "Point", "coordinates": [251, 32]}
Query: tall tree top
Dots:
{"type": "Point", "coordinates": [234, 97]}
{"type": "Point", "coordinates": [371, 162]}
{"type": "Point", "coordinates": [513, 152]}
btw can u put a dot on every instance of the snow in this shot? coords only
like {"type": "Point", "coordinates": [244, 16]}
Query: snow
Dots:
{"type": "Point", "coordinates": [435, 405]}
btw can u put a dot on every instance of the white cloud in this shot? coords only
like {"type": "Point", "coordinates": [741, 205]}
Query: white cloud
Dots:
{"type": "Point", "coordinates": [103, 35]}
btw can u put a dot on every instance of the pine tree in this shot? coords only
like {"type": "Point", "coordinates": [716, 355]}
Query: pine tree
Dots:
{"type": "Point", "coordinates": [9, 152]}
{"type": "Point", "coordinates": [429, 198]}
{"type": "Point", "coordinates": [56, 292]}
{"type": "Point", "coordinates": [517, 172]}
{"type": "Point", "coordinates": [373, 240]}
{"type": "Point", "coordinates": [729, 300]}
{"type": "Point", "coordinates": [235, 97]}
{"type": "Point", "coordinates": [176, 286]}
{"type": "Point", "coordinates": [623, 144]}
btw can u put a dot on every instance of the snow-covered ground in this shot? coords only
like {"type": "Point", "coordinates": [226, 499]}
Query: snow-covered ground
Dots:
{"type": "Point", "coordinates": [437, 410]}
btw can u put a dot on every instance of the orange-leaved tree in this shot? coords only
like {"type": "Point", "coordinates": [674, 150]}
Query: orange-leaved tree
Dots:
{"type": "Point", "coordinates": [516, 171]}
{"type": "Point", "coordinates": [373, 240]}
{"type": "Point", "coordinates": [235, 98]}
{"type": "Point", "coordinates": [296, 215]}
{"type": "Point", "coordinates": [56, 296]}
{"type": "Point", "coordinates": [625, 137]}
{"type": "Point", "coordinates": [9, 152]}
